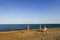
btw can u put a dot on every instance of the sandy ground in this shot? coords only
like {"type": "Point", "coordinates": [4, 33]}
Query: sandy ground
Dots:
{"type": "Point", "coordinates": [34, 34]}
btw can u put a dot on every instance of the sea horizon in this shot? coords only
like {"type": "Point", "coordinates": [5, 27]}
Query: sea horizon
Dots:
{"type": "Point", "coordinates": [7, 27]}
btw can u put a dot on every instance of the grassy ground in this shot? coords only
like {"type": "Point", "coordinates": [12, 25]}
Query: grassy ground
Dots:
{"type": "Point", "coordinates": [35, 34]}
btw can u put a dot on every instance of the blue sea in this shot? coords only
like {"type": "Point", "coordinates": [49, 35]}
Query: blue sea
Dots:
{"type": "Point", "coordinates": [8, 27]}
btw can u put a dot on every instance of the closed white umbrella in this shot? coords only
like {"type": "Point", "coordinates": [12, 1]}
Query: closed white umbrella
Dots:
{"type": "Point", "coordinates": [28, 28]}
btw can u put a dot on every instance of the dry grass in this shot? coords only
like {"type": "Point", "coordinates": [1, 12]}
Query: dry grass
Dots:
{"type": "Point", "coordinates": [35, 34]}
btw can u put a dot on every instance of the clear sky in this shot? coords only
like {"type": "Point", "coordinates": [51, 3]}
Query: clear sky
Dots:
{"type": "Point", "coordinates": [29, 11]}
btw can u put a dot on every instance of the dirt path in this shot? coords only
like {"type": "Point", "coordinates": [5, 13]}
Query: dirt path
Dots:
{"type": "Point", "coordinates": [35, 34]}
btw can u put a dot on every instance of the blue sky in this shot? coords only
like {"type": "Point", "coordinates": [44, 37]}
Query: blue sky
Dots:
{"type": "Point", "coordinates": [29, 11]}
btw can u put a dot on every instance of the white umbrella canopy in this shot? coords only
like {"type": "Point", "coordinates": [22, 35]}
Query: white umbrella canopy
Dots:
{"type": "Point", "coordinates": [45, 28]}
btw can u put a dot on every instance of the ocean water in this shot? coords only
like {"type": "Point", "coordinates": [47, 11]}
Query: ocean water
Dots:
{"type": "Point", "coordinates": [7, 27]}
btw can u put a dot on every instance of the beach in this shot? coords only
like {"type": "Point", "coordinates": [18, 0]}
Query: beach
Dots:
{"type": "Point", "coordinates": [33, 34]}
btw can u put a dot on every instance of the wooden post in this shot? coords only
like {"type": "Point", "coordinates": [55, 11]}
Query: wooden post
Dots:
{"type": "Point", "coordinates": [40, 27]}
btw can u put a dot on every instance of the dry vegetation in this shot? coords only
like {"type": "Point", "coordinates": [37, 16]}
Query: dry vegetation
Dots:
{"type": "Point", "coordinates": [36, 34]}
